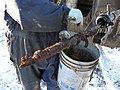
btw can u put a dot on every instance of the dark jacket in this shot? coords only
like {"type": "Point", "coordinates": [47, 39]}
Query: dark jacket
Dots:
{"type": "Point", "coordinates": [41, 21]}
{"type": "Point", "coordinates": [41, 15]}
{"type": "Point", "coordinates": [36, 16]}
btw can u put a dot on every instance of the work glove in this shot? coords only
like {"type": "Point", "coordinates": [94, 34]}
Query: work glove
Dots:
{"type": "Point", "coordinates": [75, 16]}
{"type": "Point", "coordinates": [64, 34]}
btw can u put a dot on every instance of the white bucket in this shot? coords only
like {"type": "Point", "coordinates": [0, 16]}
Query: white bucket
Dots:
{"type": "Point", "coordinates": [74, 74]}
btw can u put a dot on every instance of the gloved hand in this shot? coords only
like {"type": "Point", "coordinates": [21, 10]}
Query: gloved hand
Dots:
{"type": "Point", "coordinates": [64, 34]}
{"type": "Point", "coordinates": [75, 16]}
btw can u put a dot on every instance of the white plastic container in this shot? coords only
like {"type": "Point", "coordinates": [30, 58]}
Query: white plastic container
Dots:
{"type": "Point", "coordinates": [74, 74]}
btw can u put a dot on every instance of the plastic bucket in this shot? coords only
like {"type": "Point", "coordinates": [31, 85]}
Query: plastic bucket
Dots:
{"type": "Point", "coordinates": [73, 72]}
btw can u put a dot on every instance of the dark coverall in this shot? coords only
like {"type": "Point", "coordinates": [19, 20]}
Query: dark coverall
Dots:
{"type": "Point", "coordinates": [42, 21]}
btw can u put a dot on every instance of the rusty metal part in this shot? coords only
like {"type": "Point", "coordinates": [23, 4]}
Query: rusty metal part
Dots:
{"type": "Point", "coordinates": [48, 52]}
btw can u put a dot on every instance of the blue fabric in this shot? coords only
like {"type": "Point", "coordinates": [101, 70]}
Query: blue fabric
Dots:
{"type": "Point", "coordinates": [31, 38]}
{"type": "Point", "coordinates": [42, 15]}
{"type": "Point", "coordinates": [53, 1]}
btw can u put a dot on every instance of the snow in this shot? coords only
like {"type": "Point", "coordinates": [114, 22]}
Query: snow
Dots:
{"type": "Point", "coordinates": [105, 77]}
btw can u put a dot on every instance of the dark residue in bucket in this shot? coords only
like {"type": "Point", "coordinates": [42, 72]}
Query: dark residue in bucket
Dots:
{"type": "Point", "coordinates": [79, 54]}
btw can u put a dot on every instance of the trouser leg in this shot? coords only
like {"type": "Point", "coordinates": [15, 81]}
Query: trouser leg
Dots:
{"type": "Point", "coordinates": [28, 79]}
{"type": "Point", "coordinates": [50, 74]}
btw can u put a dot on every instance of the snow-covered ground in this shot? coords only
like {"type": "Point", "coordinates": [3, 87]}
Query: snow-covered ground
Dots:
{"type": "Point", "coordinates": [8, 78]}
{"type": "Point", "coordinates": [105, 77]}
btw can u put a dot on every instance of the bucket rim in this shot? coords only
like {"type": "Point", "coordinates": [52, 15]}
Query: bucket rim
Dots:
{"type": "Point", "coordinates": [80, 62]}
{"type": "Point", "coordinates": [78, 67]}
{"type": "Point", "coordinates": [96, 54]}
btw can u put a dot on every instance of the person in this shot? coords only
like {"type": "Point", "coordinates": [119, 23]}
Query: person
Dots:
{"type": "Point", "coordinates": [33, 25]}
